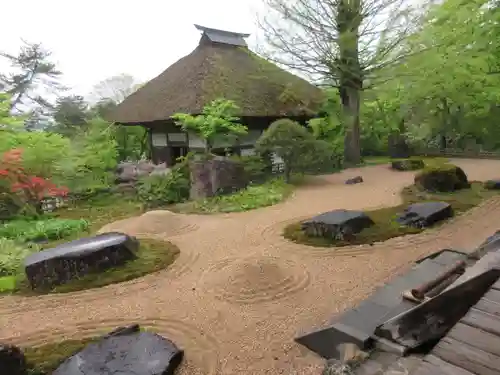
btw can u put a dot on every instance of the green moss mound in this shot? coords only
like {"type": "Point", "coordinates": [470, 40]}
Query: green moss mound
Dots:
{"type": "Point", "coordinates": [152, 256]}
{"type": "Point", "coordinates": [385, 226]}
{"type": "Point", "coordinates": [442, 178]}
{"type": "Point", "coordinates": [407, 164]}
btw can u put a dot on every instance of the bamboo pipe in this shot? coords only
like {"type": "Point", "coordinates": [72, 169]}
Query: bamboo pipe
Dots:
{"type": "Point", "coordinates": [446, 283]}
{"type": "Point", "coordinates": [419, 292]}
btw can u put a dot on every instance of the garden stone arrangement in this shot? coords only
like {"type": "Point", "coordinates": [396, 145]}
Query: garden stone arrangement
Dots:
{"type": "Point", "coordinates": [407, 164]}
{"type": "Point", "coordinates": [74, 259]}
{"type": "Point", "coordinates": [425, 214]}
{"type": "Point", "coordinates": [338, 224]}
{"type": "Point", "coordinates": [125, 351]}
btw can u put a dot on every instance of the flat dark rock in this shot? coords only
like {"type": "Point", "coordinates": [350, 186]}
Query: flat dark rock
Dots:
{"type": "Point", "coordinates": [125, 351]}
{"type": "Point", "coordinates": [354, 180]}
{"type": "Point", "coordinates": [332, 222]}
{"type": "Point", "coordinates": [12, 361]}
{"type": "Point", "coordinates": [80, 257]}
{"type": "Point", "coordinates": [425, 214]}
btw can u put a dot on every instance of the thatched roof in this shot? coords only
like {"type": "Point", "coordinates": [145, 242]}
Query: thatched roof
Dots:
{"type": "Point", "coordinates": [220, 67]}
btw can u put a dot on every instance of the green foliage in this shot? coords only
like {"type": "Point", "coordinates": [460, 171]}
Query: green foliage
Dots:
{"type": "Point", "coordinates": [442, 178]}
{"type": "Point", "coordinates": [7, 121]}
{"type": "Point", "coordinates": [12, 254]}
{"type": "Point", "coordinates": [254, 196]}
{"type": "Point", "coordinates": [217, 121]}
{"type": "Point", "coordinates": [407, 164]}
{"type": "Point", "coordinates": [257, 169]}
{"type": "Point", "coordinates": [295, 145]}
{"type": "Point", "coordinates": [157, 190]}
{"type": "Point", "coordinates": [46, 229]}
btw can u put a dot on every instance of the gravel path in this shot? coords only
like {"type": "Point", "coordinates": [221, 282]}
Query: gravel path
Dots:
{"type": "Point", "coordinates": [239, 293]}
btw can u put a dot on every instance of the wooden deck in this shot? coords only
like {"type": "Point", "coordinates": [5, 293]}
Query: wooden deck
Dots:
{"type": "Point", "coordinates": [472, 346]}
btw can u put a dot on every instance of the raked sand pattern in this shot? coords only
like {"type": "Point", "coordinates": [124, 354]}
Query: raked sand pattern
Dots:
{"type": "Point", "coordinates": [239, 293]}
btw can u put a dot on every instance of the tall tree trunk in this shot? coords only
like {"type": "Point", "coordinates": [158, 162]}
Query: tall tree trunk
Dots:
{"type": "Point", "coordinates": [350, 75]}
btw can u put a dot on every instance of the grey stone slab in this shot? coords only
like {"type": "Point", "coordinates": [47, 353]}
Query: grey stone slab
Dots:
{"type": "Point", "coordinates": [365, 317]}
{"type": "Point", "coordinates": [325, 342]}
{"type": "Point", "coordinates": [449, 258]}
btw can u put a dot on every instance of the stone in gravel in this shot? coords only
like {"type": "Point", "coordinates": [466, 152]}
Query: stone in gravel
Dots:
{"type": "Point", "coordinates": [425, 214]}
{"type": "Point", "coordinates": [12, 360]}
{"type": "Point", "coordinates": [74, 259]}
{"type": "Point", "coordinates": [125, 351]}
{"type": "Point", "coordinates": [354, 180]}
{"type": "Point", "coordinates": [337, 224]}
{"type": "Point", "coordinates": [492, 184]}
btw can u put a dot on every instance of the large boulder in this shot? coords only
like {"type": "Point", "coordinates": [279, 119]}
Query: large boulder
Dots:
{"type": "Point", "coordinates": [126, 351]}
{"type": "Point", "coordinates": [78, 258]}
{"type": "Point", "coordinates": [216, 176]}
{"type": "Point", "coordinates": [12, 361]}
{"type": "Point", "coordinates": [442, 178]}
{"type": "Point", "coordinates": [337, 224]}
{"type": "Point", "coordinates": [425, 214]}
{"type": "Point", "coordinates": [398, 146]}
{"type": "Point", "coordinates": [130, 172]}
{"type": "Point", "coordinates": [407, 164]}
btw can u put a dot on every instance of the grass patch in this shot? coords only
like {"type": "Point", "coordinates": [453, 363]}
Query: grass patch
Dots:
{"type": "Point", "coordinates": [386, 227]}
{"type": "Point", "coordinates": [40, 230]}
{"type": "Point", "coordinates": [254, 196]}
{"type": "Point", "coordinates": [43, 360]}
{"type": "Point", "coordinates": [152, 256]}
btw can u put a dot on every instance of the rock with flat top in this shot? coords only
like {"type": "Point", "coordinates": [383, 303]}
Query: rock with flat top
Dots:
{"type": "Point", "coordinates": [337, 224]}
{"type": "Point", "coordinates": [125, 351]}
{"type": "Point", "coordinates": [425, 214]}
{"type": "Point", "coordinates": [75, 259]}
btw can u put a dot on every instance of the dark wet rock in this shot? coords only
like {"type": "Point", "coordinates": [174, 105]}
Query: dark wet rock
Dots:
{"type": "Point", "coordinates": [398, 146]}
{"type": "Point", "coordinates": [425, 214]}
{"type": "Point", "coordinates": [354, 180]}
{"type": "Point", "coordinates": [492, 184]}
{"type": "Point", "coordinates": [74, 259]}
{"type": "Point", "coordinates": [337, 224]}
{"type": "Point", "coordinates": [12, 360]}
{"type": "Point", "coordinates": [125, 351]}
{"type": "Point", "coordinates": [407, 164]}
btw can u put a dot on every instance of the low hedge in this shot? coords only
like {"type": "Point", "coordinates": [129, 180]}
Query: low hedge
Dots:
{"type": "Point", "coordinates": [442, 178]}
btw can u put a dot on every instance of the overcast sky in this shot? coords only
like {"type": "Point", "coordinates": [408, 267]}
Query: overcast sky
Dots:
{"type": "Point", "coordinates": [94, 39]}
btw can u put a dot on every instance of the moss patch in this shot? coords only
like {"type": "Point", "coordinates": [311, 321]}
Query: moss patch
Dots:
{"type": "Point", "coordinates": [43, 360]}
{"type": "Point", "coordinates": [152, 256]}
{"type": "Point", "coordinates": [254, 196]}
{"type": "Point", "coordinates": [386, 227]}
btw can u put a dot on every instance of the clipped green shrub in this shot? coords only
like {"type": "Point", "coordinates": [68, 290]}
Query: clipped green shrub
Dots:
{"type": "Point", "coordinates": [257, 169]}
{"type": "Point", "coordinates": [38, 230]}
{"type": "Point", "coordinates": [12, 255]}
{"type": "Point", "coordinates": [492, 185]}
{"type": "Point", "coordinates": [157, 190]}
{"type": "Point", "coordinates": [442, 178]}
{"type": "Point", "coordinates": [407, 164]}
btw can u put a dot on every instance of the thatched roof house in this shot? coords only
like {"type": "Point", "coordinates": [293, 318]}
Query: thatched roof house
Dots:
{"type": "Point", "coordinates": [221, 66]}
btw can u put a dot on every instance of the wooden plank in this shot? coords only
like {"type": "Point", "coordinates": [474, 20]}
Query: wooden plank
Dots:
{"type": "Point", "coordinates": [476, 337]}
{"type": "Point", "coordinates": [493, 295]}
{"type": "Point", "coordinates": [467, 357]}
{"type": "Point", "coordinates": [488, 306]}
{"type": "Point", "coordinates": [435, 366]}
{"type": "Point", "coordinates": [486, 322]}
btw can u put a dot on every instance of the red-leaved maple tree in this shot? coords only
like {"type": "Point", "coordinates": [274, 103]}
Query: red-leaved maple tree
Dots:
{"type": "Point", "coordinates": [28, 190]}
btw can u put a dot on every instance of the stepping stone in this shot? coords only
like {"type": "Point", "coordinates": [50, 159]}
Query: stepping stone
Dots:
{"type": "Point", "coordinates": [425, 214]}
